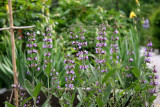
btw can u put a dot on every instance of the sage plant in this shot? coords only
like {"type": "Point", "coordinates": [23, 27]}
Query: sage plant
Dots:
{"type": "Point", "coordinates": [32, 56]}
{"type": "Point", "coordinates": [101, 60]}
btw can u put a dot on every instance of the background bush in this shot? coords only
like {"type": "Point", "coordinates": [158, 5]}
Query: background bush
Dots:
{"type": "Point", "coordinates": [155, 26]}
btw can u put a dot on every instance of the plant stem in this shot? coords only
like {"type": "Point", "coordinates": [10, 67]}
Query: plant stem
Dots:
{"type": "Point", "coordinates": [48, 86]}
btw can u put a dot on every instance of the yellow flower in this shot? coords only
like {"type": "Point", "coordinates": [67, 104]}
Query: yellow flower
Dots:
{"type": "Point", "coordinates": [7, 8]}
{"type": "Point", "coordinates": [137, 2]}
{"type": "Point", "coordinates": [132, 15]}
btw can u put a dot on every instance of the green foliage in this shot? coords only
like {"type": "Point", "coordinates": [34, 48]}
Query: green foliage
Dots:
{"type": "Point", "coordinates": [155, 26]}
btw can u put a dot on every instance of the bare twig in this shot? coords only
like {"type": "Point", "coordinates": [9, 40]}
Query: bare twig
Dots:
{"type": "Point", "coordinates": [10, 99]}
{"type": "Point", "coordinates": [22, 27]}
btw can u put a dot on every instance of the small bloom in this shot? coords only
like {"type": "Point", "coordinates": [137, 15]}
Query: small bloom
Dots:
{"type": "Point", "coordinates": [132, 15]}
{"type": "Point", "coordinates": [131, 59]}
{"type": "Point", "coordinates": [116, 31]}
{"type": "Point", "coordinates": [35, 45]}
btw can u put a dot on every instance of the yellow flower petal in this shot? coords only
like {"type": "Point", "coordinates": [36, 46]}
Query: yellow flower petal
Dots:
{"type": "Point", "coordinates": [7, 8]}
{"type": "Point", "coordinates": [137, 2]}
{"type": "Point", "coordinates": [132, 15]}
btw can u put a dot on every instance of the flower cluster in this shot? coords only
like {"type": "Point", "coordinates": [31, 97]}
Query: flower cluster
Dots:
{"type": "Point", "coordinates": [114, 45]}
{"type": "Point", "coordinates": [100, 45]}
{"type": "Point", "coordinates": [54, 76]}
{"type": "Point", "coordinates": [152, 77]}
{"type": "Point", "coordinates": [148, 54]}
{"type": "Point", "coordinates": [129, 66]}
{"type": "Point", "coordinates": [153, 82]}
{"type": "Point", "coordinates": [22, 95]}
{"type": "Point", "coordinates": [70, 74]}
{"type": "Point", "coordinates": [32, 52]}
{"type": "Point", "coordinates": [47, 46]}
{"type": "Point", "coordinates": [79, 43]}
{"type": "Point", "coordinates": [146, 24]}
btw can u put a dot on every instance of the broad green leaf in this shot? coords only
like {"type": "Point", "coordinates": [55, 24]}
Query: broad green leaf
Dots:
{"type": "Point", "coordinates": [79, 104]}
{"type": "Point", "coordinates": [131, 86]}
{"type": "Point", "coordinates": [46, 103]}
{"type": "Point", "coordinates": [37, 90]}
{"type": "Point", "coordinates": [29, 87]}
{"type": "Point", "coordinates": [137, 87]}
{"type": "Point", "coordinates": [99, 102]}
{"type": "Point", "coordinates": [7, 104]}
{"type": "Point", "coordinates": [80, 94]}
{"type": "Point", "coordinates": [93, 71]}
{"type": "Point", "coordinates": [151, 99]}
{"type": "Point", "coordinates": [136, 72]}
{"type": "Point", "coordinates": [67, 97]}
{"type": "Point", "coordinates": [48, 69]}
{"type": "Point", "coordinates": [108, 75]}
{"type": "Point", "coordinates": [107, 93]}
{"type": "Point", "coordinates": [24, 101]}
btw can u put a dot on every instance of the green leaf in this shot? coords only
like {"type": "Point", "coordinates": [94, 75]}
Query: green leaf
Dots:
{"type": "Point", "coordinates": [37, 90]}
{"type": "Point", "coordinates": [80, 94]}
{"type": "Point", "coordinates": [151, 99]}
{"type": "Point", "coordinates": [48, 69]}
{"type": "Point", "coordinates": [137, 87]}
{"type": "Point", "coordinates": [46, 103]}
{"type": "Point", "coordinates": [109, 74]}
{"type": "Point", "coordinates": [79, 104]}
{"type": "Point", "coordinates": [130, 87]}
{"type": "Point", "coordinates": [107, 93]}
{"type": "Point", "coordinates": [29, 87]}
{"type": "Point", "coordinates": [66, 96]}
{"type": "Point", "coordinates": [24, 101]}
{"type": "Point", "coordinates": [7, 104]}
{"type": "Point", "coordinates": [136, 72]}
{"type": "Point", "coordinates": [99, 102]}
{"type": "Point", "coordinates": [93, 71]}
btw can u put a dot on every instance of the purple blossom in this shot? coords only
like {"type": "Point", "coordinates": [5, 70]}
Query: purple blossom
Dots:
{"type": "Point", "coordinates": [156, 77]}
{"type": "Point", "coordinates": [82, 37]}
{"type": "Point", "coordinates": [29, 45]}
{"type": "Point", "coordinates": [29, 59]}
{"type": "Point", "coordinates": [44, 39]}
{"type": "Point", "coordinates": [50, 46]}
{"type": "Point", "coordinates": [149, 44]}
{"type": "Point", "coordinates": [116, 31]}
{"type": "Point", "coordinates": [28, 33]}
{"type": "Point", "coordinates": [85, 43]}
{"type": "Point", "coordinates": [147, 60]}
{"type": "Point", "coordinates": [37, 101]}
{"type": "Point", "coordinates": [131, 59]}
{"type": "Point", "coordinates": [49, 34]}
{"type": "Point", "coordinates": [44, 46]}
{"type": "Point", "coordinates": [38, 68]}
{"type": "Point", "coordinates": [71, 85]}
{"type": "Point", "coordinates": [34, 44]}
{"type": "Point", "coordinates": [49, 40]}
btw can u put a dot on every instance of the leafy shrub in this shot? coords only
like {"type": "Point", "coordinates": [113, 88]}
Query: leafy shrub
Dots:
{"type": "Point", "coordinates": [155, 26]}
